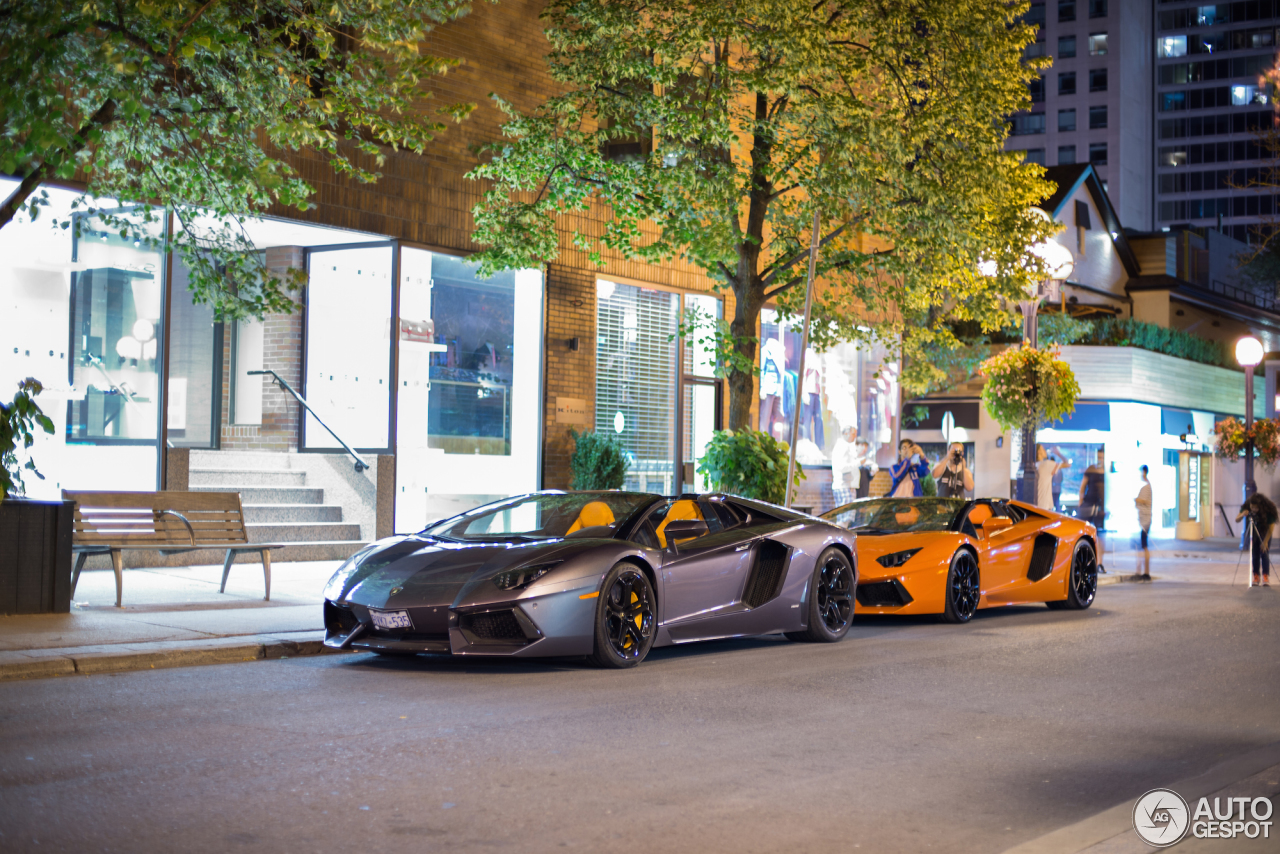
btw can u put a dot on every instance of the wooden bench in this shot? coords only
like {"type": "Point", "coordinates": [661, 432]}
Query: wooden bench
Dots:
{"type": "Point", "coordinates": [167, 522]}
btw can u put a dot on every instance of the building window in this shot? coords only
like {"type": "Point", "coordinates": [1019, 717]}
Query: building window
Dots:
{"type": "Point", "coordinates": [1066, 155]}
{"type": "Point", "coordinates": [1098, 44]}
{"type": "Point", "coordinates": [1097, 80]}
{"type": "Point", "coordinates": [1037, 90]}
{"type": "Point", "coordinates": [468, 384]}
{"type": "Point", "coordinates": [1066, 47]}
{"type": "Point", "coordinates": [1171, 101]}
{"type": "Point", "coordinates": [1097, 117]}
{"type": "Point", "coordinates": [1247, 96]}
{"type": "Point", "coordinates": [1098, 153]}
{"type": "Point", "coordinates": [1027, 123]}
{"type": "Point", "coordinates": [1208, 16]}
{"type": "Point", "coordinates": [1035, 15]}
{"type": "Point", "coordinates": [1033, 50]}
{"type": "Point", "coordinates": [1067, 83]}
{"type": "Point", "coordinates": [1066, 10]}
{"type": "Point", "coordinates": [1034, 155]}
{"type": "Point", "coordinates": [1169, 46]}
{"type": "Point", "coordinates": [1097, 8]}
{"type": "Point", "coordinates": [1066, 120]}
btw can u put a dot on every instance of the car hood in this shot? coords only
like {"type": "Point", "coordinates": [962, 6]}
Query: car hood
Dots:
{"type": "Point", "coordinates": [403, 572]}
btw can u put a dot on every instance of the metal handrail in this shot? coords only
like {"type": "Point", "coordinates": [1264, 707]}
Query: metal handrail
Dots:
{"type": "Point", "coordinates": [361, 465]}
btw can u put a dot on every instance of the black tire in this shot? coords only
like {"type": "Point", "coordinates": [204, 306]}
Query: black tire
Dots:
{"type": "Point", "coordinates": [626, 618]}
{"type": "Point", "coordinates": [963, 588]}
{"type": "Point", "coordinates": [830, 597]}
{"type": "Point", "coordinates": [1082, 580]}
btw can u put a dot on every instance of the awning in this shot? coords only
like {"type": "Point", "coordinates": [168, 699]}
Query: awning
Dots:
{"type": "Point", "coordinates": [927, 414]}
{"type": "Point", "coordinates": [1088, 416]}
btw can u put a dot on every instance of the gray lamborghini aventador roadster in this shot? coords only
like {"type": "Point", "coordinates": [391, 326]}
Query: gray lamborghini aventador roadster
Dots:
{"type": "Point", "coordinates": [607, 575]}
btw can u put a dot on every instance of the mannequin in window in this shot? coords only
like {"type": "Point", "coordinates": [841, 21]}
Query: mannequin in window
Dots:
{"type": "Point", "coordinates": [811, 400]}
{"type": "Point", "coordinates": [773, 366]}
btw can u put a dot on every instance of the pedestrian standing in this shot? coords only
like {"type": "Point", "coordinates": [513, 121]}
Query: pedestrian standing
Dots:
{"type": "Point", "coordinates": [844, 467]}
{"type": "Point", "coordinates": [865, 464]}
{"type": "Point", "coordinates": [1262, 515]}
{"type": "Point", "coordinates": [1060, 457]}
{"type": "Point", "coordinates": [1143, 502]}
{"type": "Point", "coordinates": [1093, 504]}
{"type": "Point", "coordinates": [952, 473]}
{"type": "Point", "coordinates": [1046, 470]}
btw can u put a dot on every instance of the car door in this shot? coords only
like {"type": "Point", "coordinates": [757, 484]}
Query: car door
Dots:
{"type": "Point", "coordinates": [1009, 552]}
{"type": "Point", "coordinates": [704, 576]}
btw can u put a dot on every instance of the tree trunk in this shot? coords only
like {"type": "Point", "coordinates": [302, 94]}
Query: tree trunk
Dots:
{"type": "Point", "coordinates": [105, 115]}
{"type": "Point", "coordinates": [742, 390]}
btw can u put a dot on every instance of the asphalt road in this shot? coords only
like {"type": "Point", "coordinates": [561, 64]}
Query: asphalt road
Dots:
{"type": "Point", "coordinates": [908, 736]}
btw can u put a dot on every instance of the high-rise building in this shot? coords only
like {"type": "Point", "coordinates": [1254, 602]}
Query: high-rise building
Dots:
{"type": "Point", "coordinates": [1094, 104]}
{"type": "Point", "coordinates": [1209, 108]}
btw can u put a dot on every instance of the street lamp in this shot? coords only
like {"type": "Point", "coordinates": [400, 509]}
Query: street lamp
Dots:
{"type": "Point", "coordinates": [1248, 354]}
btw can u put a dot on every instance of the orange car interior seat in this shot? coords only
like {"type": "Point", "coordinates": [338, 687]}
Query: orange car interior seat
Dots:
{"type": "Point", "coordinates": [685, 508]}
{"type": "Point", "coordinates": [907, 516]}
{"type": "Point", "coordinates": [978, 517]}
{"type": "Point", "coordinates": [592, 514]}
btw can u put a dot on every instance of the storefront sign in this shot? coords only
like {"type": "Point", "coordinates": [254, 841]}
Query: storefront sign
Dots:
{"type": "Point", "coordinates": [571, 410]}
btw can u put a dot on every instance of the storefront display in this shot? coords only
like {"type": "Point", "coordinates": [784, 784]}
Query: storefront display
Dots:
{"type": "Point", "coordinates": [849, 395]}
{"type": "Point", "coordinates": [90, 301]}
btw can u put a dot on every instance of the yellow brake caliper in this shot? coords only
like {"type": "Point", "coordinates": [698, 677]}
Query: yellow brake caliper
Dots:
{"type": "Point", "coordinates": [626, 644]}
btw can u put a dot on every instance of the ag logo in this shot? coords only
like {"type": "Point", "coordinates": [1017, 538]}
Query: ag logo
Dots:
{"type": "Point", "coordinates": [1161, 818]}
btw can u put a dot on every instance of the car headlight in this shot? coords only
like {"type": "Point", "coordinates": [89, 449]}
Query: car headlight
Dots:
{"type": "Point", "coordinates": [514, 579]}
{"type": "Point", "coordinates": [896, 559]}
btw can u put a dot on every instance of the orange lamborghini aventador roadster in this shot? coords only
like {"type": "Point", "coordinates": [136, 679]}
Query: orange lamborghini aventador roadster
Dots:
{"type": "Point", "coordinates": [951, 557]}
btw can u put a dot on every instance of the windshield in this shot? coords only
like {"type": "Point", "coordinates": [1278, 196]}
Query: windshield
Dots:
{"type": "Point", "coordinates": [897, 515]}
{"type": "Point", "coordinates": [543, 516]}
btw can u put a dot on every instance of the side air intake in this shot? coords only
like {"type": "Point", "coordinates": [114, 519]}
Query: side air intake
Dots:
{"type": "Point", "coordinates": [765, 581]}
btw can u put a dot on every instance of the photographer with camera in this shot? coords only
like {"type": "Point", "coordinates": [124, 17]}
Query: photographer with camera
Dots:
{"type": "Point", "coordinates": [952, 473]}
{"type": "Point", "coordinates": [1263, 516]}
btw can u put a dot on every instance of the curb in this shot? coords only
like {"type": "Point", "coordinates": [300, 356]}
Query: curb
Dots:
{"type": "Point", "coordinates": [113, 658]}
{"type": "Point", "coordinates": [1118, 821]}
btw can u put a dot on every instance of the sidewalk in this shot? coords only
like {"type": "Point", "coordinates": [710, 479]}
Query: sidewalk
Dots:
{"type": "Point", "coordinates": [1216, 560]}
{"type": "Point", "coordinates": [171, 617]}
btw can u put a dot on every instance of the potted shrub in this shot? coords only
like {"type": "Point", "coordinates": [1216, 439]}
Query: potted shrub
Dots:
{"type": "Point", "coordinates": [598, 461]}
{"type": "Point", "coordinates": [749, 463]}
{"type": "Point", "coordinates": [35, 536]}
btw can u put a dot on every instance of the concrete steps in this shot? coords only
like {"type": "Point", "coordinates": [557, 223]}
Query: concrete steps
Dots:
{"type": "Point", "coordinates": [264, 514]}
{"type": "Point", "coordinates": [279, 507]}
{"type": "Point", "coordinates": [247, 477]}
{"type": "Point", "coordinates": [261, 495]}
{"type": "Point", "coordinates": [302, 532]}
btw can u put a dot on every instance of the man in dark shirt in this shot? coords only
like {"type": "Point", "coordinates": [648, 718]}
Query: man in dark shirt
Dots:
{"type": "Point", "coordinates": [952, 473]}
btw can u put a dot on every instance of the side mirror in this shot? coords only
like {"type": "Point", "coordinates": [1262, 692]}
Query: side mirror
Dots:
{"type": "Point", "coordinates": [684, 529]}
{"type": "Point", "coordinates": [997, 523]}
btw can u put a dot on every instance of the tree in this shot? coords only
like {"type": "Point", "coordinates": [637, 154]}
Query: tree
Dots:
{"type": "Point", "coordinates": [190, 104]}
{"type": "Point", "coordinates": [714, 131]}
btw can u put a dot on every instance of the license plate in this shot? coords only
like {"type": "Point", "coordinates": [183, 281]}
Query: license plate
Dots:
{"type": "Point", "coordinates": [391, 619]}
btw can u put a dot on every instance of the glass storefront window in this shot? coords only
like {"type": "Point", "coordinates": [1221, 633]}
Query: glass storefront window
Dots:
{"type": "Point", "coordinates": [468, 399]}
{"type": "Point", "coordinates": [348, 347]}
{"type": "Point", "coordinates": [90, 304]}
{"type": "Point", "coordinates": [195, 367]}
{"type": "Point", "coordinates": [636, 353]}
{"type": "Point", "coordinates": [849, 396]}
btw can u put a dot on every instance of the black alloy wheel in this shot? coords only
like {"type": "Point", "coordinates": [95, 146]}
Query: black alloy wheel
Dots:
{"type": "Point", "coordinates": [625, 618]}
{"type": "Point", "coordinates": [963, 590]}
{"type": "Point", "coordinates": [831, 590]}
{"type": "Point", "coordinates": [1082, 584]}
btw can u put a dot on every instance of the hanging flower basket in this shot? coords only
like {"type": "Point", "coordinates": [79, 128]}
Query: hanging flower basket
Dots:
{"type": "Point", "coordinates": [1025, 384]}
{"type": "Point", "coordinates": [1232, 437]}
